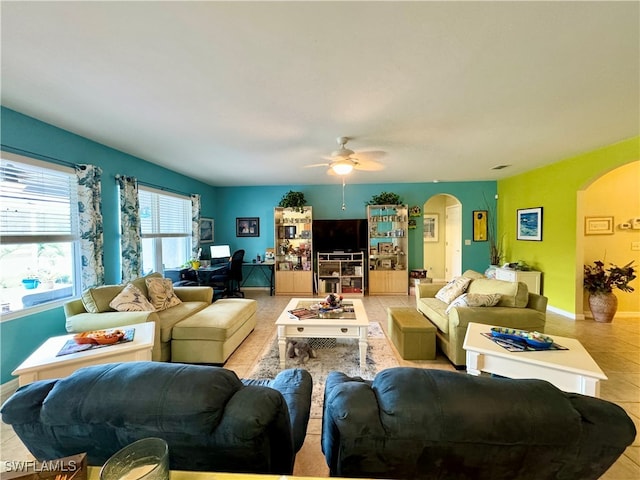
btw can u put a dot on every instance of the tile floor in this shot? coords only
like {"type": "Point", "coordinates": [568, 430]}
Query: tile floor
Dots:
{"type": "Point", "coordinates": [614, 346]}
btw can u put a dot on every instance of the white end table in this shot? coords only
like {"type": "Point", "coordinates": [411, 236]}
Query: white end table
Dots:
{"type": "Point", "coordinates": [43, 363]}
{"type": "Point", "coordinates": [571, 370]}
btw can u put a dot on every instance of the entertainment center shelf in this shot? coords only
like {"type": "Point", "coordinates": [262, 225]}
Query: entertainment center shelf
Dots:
{"type": "Point", "coordinates": [293, 252]}
{"type": "Point", "coordinates": [341, 273]}
{"type": "Point", "coordinates": [388, 249]}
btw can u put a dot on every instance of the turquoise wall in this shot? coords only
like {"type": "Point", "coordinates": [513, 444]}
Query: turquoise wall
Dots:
{"type": "Point", "coordinates": [27, 136]}
{"type": "Point", "coordinates": [326, 201]}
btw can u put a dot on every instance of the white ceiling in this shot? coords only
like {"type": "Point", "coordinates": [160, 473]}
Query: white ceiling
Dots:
{"type": "Point", "coordinates": [248, 93]}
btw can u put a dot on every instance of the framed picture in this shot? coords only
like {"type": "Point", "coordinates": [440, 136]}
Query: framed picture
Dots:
{"type": "Point", "coordinates": [430, 223]}
{"type": "Point", "coordinates": [598, 225]}
{"type": "Point", "coordinates": [206, 230]}
{"type": "Point", "coordinates": [480, 225]}
{"type": "Point", "coordinates": [385, 247]}
{"type": "Point", "coordinates": [247, 227]}
{"type": "Point", "coordinates": [529, 224]}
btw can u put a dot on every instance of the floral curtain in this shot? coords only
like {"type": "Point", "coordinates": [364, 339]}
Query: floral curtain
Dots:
{"type": "Point", "coordinates": [90, 225]}
{"type": "Point", "coordinates": [195, 225]}
{"type": "Point", "coordinates": [130, 228]}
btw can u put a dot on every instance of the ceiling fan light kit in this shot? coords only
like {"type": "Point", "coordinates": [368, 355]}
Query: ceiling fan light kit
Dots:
{"type": "Point", "coordinates": [343, 163]}
{"type": "Point", "coordinates": [342, 167]}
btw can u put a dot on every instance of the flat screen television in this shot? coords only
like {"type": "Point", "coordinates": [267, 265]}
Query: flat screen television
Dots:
{"type": "Point", "coordinates": [345, 235]}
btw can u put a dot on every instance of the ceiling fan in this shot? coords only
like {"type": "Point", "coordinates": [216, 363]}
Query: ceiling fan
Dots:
{"type": "Point", "coordinates": [342, 161]}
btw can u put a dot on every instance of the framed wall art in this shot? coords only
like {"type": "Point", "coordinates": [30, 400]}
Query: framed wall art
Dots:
{"type": "Point", "coordinates": [598, 225]}
{"type": "Point", "coordinates": [206, 229]}
{"type": "Point", "coordinates": [247, 227]}
{"type": "Point", "coordinates": [430, 224]}
{"type": "Point", "coordinates": [529, 224]}
{"type": "Point", "coordinates": [480, 225]}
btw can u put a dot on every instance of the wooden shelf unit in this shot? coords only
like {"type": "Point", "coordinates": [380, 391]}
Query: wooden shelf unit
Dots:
{"type": "Point", "coordinates": [388, 249]}
{"type": "Point", "coordinates": [341, 273]}
{"type": "Point", "coordinates": [293, 251]}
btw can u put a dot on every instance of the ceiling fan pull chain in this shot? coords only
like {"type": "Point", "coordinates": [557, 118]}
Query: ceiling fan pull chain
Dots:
{"type": "Point", "coordinates": [344, 207]}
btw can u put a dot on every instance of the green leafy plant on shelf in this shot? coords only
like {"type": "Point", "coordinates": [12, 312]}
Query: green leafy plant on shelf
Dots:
{"type": "Point", "coordinates": [293, 200]}
{"type": "Point", "coordinates": [385, 198]}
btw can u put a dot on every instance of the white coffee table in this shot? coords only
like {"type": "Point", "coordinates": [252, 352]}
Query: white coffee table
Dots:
{"type": "Point", "coordinates": [43, 363]}
{"type": "Point", "coordinates": [571, 370]}
{"type": "Point", "coordinates": [323, 327]}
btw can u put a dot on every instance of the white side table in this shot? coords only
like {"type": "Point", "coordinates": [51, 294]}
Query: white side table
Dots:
{"type": "Point", "coordinates": [43, 363]}
{"type": "Point", "coordinates": [571, 370]}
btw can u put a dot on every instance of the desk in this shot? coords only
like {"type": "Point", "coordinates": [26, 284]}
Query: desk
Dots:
{"type": "Point", "coordinates": [269, 276]}
{"type": "Point", "coordinates": [204, 274]}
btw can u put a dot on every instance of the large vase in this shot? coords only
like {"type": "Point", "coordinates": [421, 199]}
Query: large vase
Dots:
{"type": "Point", "coordinates": [603, 306]}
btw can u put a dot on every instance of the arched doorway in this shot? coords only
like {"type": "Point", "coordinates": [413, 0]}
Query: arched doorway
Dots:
{"type": "Point", "coordinates": [442, 242]}
{"type": "Point", "coordinates": [612, 197]}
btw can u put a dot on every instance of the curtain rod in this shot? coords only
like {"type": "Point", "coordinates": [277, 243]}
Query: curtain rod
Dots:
{"type": "Point", "coordinates": [157, 187]}
{"type": "Point", "coordinates": [166, 189]}
{"type": "Point", "coordinates": [39, 156]}
{"type": "Point", "coordinates": [66, 163]}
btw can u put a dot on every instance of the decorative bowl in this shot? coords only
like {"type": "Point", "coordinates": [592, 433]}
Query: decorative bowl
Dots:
{"type": "Point", "coordinates": [535, 339]}
{"type": "Point", "coordinates": [538, 340]}
{"type": "Point", "coordinates": [100, 337]}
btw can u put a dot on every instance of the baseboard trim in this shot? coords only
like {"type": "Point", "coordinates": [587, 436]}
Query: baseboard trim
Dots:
{"type": "Point", "coordinates": [8, 389]}
{"type": "Point", "coordinates": [564, 313]}
{"type": "Point", "coordinates": [588, 315]}
{"type": "Point", "coordinates": [617, 315]}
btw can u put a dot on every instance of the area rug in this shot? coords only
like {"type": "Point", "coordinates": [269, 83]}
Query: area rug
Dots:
{"type": "Point", "coordinates": [344, 357]}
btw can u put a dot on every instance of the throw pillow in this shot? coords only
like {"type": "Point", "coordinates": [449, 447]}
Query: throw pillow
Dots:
{"type": "Point", "coordinates": [131, 299]}
{"type": "Point", "coordinates": [474, 300]}
{"type": "Point", "coordinates": [453, 289]}
{"type": "Point", "coordinates": [161, 293]}
{"type": "Point", "coordinates": [96, 299]}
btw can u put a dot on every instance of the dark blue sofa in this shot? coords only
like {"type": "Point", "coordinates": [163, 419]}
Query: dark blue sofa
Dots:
{"type": "Point", "coordinates": [211, 420]}
{"type": "Point", "coordinates": [413, 423]}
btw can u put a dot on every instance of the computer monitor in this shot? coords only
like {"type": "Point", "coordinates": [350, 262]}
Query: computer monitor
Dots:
{"type": "Point", "coordinates": [220, 252]}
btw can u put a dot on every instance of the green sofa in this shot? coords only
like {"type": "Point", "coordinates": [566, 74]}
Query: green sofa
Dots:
{"type": "Point", "coordinates": [517, 308]}
{"type": "Point", "coordinates": [218, 327]}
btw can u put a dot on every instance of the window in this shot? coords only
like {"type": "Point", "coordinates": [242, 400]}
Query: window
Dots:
{"type": "Point", "coordinates": [165, 221]}
{"type": "Point", "coordinates": [39, 254]}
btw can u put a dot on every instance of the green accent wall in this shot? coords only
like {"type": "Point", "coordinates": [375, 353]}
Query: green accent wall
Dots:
{"type": "Point", "coordinates": [555, 188]}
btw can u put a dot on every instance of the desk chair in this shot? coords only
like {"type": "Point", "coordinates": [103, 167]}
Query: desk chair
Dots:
{"type": "Point", "coordinates": [228, 283]}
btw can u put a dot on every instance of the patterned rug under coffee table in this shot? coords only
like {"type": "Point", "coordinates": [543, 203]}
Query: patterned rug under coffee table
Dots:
{"type": "Point", "coordinates": [342, 358]}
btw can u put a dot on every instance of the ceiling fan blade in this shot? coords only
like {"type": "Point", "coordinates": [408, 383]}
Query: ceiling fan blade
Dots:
{"type": "Point", "coordinates": [371, 154]}
{"type": "Point", "coordinates": [369, 166]}
{"type": "Point", "coordinates": [316, 165]}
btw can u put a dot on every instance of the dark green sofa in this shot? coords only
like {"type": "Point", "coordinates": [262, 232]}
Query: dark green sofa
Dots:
{"type": "Point", "coordinates": [413, 423]}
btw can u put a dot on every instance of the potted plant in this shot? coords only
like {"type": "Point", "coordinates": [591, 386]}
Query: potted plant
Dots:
{"type": "Point", "coordinates": [601, 282]}
{"type": "Point", "coordinates": [385, 198]}
{"type": "Point", "coordinates": [495, 245]}
{"type": "Point", "coordinates": [293, 200]}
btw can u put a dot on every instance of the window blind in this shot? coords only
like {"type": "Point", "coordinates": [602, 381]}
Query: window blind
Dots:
{"type": "Point", "coordinates": [163, 214]}
{"type": "Point", "coordinates": [36, 203]}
